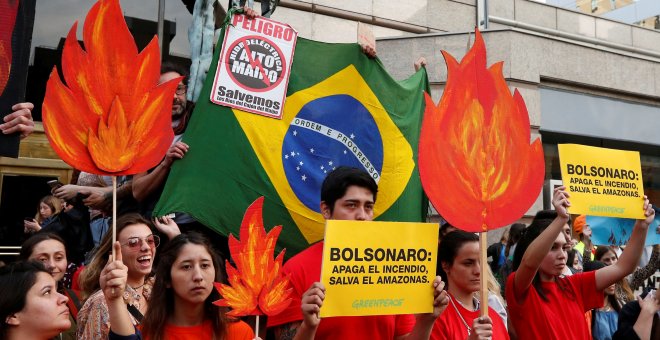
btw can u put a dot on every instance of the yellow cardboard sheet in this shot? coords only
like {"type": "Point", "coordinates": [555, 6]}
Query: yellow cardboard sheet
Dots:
{"type": "Point", "coordinates": [602, 182]}
{"type": "Point", "coordinates": [378, 268]}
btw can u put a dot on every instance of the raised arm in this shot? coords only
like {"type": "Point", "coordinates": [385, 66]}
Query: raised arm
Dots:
{"type": "Point", "coordinates": [637, 278]}
{"type": "Point", "coordinates": [146, 183]}
{"type": "Point", "coordinates": [113, 283]}
{"type": "Point", "coordinates": [312, 301]}
{"type": "Point", "coordinates": [586, 251]}
{"type": "Point", "coordinates": [310, 304]}
{"type": "Point", "coordinates": [167, 226]}
{"type": "Point", "coordinates": [630, 257]}
{"type": "Point", "coordinates": [540, 247]}
{"type": "Point", "coordinates": [649, 306]}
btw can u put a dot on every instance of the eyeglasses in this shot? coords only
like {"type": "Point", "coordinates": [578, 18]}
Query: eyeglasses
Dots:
{"type": "Point", "coordinates": [135, 242]}
{"type": "Point", "coordinates": [181, 89]}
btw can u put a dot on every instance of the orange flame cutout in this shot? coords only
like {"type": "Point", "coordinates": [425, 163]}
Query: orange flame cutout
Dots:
{"type": "Point", "coordinates": [256, 285]}
{"type": "Point", "coordinates": [111, 117]}
{"type": "Point", "coordinates": [475, 159]}
{"type": "Point", "coordinates": [9, 8]}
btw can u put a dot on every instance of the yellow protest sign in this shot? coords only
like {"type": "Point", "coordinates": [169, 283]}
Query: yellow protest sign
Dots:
{"type": "Point", "coordinates": [378, 268]}
{"type": "Point", "coordinates": [602, 182]}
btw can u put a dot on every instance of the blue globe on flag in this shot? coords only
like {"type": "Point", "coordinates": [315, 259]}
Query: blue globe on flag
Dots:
{"type": "Point", "coordinates": [322, 137]}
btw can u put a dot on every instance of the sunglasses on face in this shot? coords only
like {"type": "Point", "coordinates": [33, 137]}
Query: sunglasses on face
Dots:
{"type": "Point", "coordinates": [135, 242]}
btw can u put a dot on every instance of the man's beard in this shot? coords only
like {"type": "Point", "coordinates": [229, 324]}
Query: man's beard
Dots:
{"type": "Point", "coordinates": [178, 113]}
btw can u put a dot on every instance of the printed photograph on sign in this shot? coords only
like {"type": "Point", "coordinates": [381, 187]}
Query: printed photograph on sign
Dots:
{"type": "Point", "coordinates": [254, 66]}
{"type": "Point", "coordinates": [602, 182]}
{"type": "Point", "coordinates": [378, 268]}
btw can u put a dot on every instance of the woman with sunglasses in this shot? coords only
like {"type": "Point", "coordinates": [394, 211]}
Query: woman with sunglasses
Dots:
{"type": "Point", "coordinates": [138, 245]}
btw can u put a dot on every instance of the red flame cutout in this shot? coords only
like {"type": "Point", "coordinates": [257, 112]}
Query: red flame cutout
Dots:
{"type": "Point", "coordinates": [475, 159]}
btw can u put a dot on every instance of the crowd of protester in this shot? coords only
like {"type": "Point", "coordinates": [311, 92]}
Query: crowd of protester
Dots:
{"type": "Point", "coordinates": [169, 293]}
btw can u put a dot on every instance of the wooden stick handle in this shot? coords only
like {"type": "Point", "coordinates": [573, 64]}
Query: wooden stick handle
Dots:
{"type": "Point", "coordinates": [483, 294]}
{"type": "Point", "coordinates": [114, 214]}
{"type": "Point", "coordinates": [256, 329]}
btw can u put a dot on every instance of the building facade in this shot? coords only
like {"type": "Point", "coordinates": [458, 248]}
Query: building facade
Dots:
{"type": "Point", "coordinates": [587, 74]}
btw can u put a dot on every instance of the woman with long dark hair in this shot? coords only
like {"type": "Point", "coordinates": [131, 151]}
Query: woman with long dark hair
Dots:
{"type": "Point", "coordinates": [458, 265]}
{"type": "Point", "coordinates": [50, 250]}
{"type": "Point", "coordinates": [183, 292]}
{"type": "Point", "coordinates": [543, 303]}
{"type": "Point", "coordinates": [30, 306]}
{"type": "Point", "coordinates": [626, 287]}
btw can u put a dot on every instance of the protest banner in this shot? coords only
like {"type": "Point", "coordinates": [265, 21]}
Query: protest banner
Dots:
{"type": "Point", "coordinates": [350, 112]}
{"type": "Point", "coordinates": [254, 67]}
{"type": "Point", "coordinates": [602, 182]}
{"type": "Point", "coordinates": [378, 268]}
{"type": "Point", "coordinates": [617, 231]}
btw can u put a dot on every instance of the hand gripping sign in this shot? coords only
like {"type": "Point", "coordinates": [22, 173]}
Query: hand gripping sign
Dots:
{"type": "Point", "coordinates": [254, 66]}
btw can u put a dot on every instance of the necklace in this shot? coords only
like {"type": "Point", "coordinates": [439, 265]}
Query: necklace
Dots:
{"type": "Point", "coordinates": [469, 330]}
{"type": "Point", "coordinates": [138, 287]}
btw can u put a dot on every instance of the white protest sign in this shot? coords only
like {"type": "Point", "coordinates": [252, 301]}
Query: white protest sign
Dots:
{"type": "Point", "coordinates": [254, 66]}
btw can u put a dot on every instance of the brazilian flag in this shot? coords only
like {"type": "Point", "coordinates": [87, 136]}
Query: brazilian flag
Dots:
{"type": "Point", "coordinates": [342, 108]}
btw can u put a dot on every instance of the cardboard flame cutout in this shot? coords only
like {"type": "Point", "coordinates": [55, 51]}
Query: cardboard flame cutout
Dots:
{"type": "Point", "coordinates": [111, 117]}
{"type": "Point", "coordinates": [475, 159]}
{"type": "Point", "coordinates": [256, 285]}
{"type": "Point", "coordinates": [9, 10]}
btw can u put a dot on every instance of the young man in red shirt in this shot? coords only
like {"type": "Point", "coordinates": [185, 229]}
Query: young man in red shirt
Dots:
{"type": "Point", "coordinates": [346, 194]}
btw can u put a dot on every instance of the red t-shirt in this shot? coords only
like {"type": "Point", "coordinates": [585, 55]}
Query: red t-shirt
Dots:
{"type": "Point", "coordinates": [235, 331]}
{"type": "Point", "coordinates": [450, 325]}
{"type": "Point", "coordinates": [562, 316]}
{"type": "Point", "coordinates": [304, 269]}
